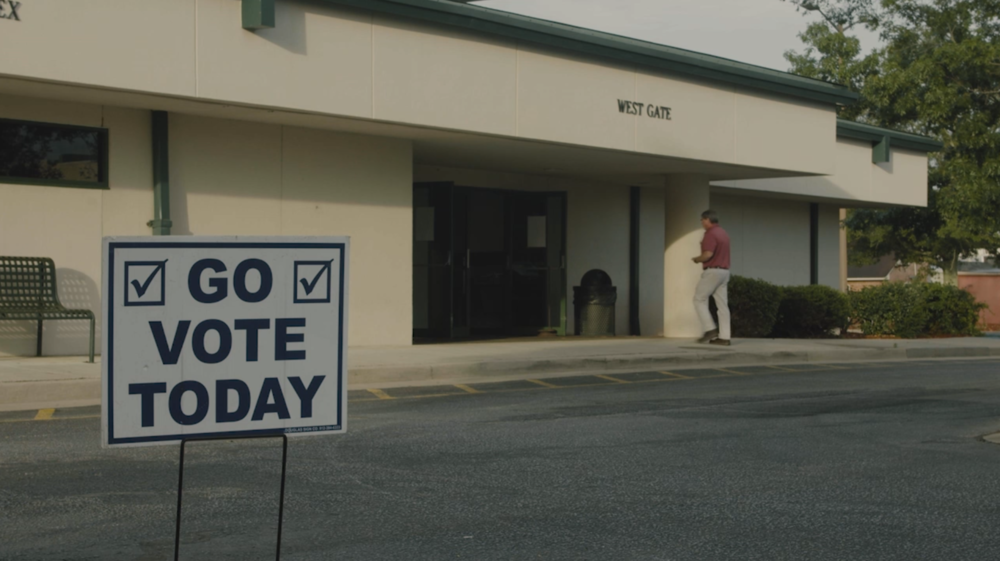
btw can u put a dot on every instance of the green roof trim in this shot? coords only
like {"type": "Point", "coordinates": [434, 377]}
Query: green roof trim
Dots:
{"type": "Point", "coordinates": [879, 135]}
{"type": "Point", "coordinates": [607, 46]}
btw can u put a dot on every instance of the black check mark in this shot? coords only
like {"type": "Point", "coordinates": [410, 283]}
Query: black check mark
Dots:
{"type": "Point", "coordinates": [308, 286]}
{"type": "Point", "coordinates": [140, 289]}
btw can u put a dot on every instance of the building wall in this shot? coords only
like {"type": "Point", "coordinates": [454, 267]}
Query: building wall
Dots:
{"type": "Point", "coordinates": [337, 61]}
{"type": "Point", "coordinates": [863, 284]}
{"type": "Point", "coordinates": [986, 289]}
{"type": "Point", "coordinates": [67, 224]}
{"type": "Point", "coordinates": [597, 234]}
{"type": "Point", "coordinates": [227, 178]}
{"type": "Point", "coordinates": [234, 177]}
{"type": "Point", "coordinates": [829, 247]}
{"type": "Point", "coordinates": [770, 238]}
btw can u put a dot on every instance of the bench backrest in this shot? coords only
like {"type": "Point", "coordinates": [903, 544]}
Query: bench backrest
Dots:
{"type": "Point", "coordinates": [28, 282]}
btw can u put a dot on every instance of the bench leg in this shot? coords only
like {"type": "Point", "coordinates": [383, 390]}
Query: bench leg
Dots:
{"type": "Point", "coordinates": [91, 340]}
{"type": "Point", "coordinates": [38, 347]}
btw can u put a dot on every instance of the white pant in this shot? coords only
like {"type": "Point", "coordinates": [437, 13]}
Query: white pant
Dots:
{"type": "Point", "coordinates": [714, 283]}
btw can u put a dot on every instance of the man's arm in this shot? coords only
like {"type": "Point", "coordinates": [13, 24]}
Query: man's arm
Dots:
{"type": "Point", "coordinates": [705, 256]}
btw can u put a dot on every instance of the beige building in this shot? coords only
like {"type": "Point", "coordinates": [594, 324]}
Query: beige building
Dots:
{"type": "Point", "coordinates": [481, 161]}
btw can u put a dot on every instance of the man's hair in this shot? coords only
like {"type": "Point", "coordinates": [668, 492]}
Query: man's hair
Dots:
{"type": "Point", "coordinates": [711, 215]}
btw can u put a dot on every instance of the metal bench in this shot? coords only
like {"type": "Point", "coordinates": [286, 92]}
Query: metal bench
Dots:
{"type": "Point", "coordinates": [28, 292]}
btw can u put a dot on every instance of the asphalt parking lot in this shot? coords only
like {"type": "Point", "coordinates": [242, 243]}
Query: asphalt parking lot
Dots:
{"type": "Point", "coordinates": [812, 461]}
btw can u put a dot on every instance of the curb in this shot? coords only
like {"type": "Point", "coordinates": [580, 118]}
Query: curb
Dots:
{"type": "Point", "coordinates": [368, 376]}
{"type": "Point", "coordinates": [23, 395]}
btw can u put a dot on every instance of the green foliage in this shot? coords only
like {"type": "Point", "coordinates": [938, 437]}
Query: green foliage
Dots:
{"type": "Point", "coordinates": [888, 309]}
{"type": "Point", "coordinates": [753, 304]}
{"type": "Point", "coordinates": [811, 311]}
{"type": "Point", "coordinates": [937, 75]}
{"type": "Point", "coordinates": [914, 310]}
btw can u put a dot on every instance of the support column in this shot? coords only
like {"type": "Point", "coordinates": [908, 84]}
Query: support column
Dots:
{"type": "Point", "coordinates": [843, 250]}
{"type": "Point", "coordinates": [687, 196]}
{"type": "Point", "coordinates": [161, 222]}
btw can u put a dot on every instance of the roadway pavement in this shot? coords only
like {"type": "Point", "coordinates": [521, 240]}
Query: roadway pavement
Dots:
{"type": "Point", "coordinates": [818, 461]}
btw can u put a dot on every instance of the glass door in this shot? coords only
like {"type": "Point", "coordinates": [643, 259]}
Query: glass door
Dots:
{"type": "Point", "coordinates": [487, 262]}
{"type": "Point", "coordinates": [538, 263]}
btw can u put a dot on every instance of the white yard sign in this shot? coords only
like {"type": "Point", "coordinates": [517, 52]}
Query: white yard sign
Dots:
{"type": "Point", "coordinates": [212, 337]}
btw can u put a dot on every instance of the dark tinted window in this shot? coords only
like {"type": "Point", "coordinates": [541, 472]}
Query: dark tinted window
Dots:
{"type": "Point", "coordinates": [44, 153]}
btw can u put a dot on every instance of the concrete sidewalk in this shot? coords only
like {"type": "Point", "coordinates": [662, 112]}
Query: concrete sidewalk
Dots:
{"type": "Point", "coordinates": [38, 383]}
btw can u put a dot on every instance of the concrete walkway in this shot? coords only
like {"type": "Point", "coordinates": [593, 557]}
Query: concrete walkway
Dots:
{"type": "Point", "coordinates": [48, 382]}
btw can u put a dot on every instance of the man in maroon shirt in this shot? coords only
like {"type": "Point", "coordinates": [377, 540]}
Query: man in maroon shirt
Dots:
{"type": "Point", "coordinates": [714, 281]}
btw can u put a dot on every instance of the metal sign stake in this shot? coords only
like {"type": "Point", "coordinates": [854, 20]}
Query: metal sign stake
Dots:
{"type": "Point", "coordinates": [281, 499]}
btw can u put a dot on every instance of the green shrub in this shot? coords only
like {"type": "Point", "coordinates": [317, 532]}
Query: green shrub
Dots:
{"type": "Point", "coordinates": [756, 307]}
{"type": "Point", "coordinates": [753, 304]}
{"type": "Point", "coordinates": [890, 309]}
{"type": "Point", "coordinates": [811, 311]}
{"type": "Point", "coordinates": [914, 310]}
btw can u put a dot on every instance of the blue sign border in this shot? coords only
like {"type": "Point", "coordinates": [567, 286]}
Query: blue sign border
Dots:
{"type": "Point", "coordinates": [110, 315]}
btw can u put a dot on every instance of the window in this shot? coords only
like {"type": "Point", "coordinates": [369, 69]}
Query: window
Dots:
{"type": "Point", "coordinates": [49, 154]}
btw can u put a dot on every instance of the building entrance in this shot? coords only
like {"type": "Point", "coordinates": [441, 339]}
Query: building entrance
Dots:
{"type": "Point", "coordinates": [488, 262]}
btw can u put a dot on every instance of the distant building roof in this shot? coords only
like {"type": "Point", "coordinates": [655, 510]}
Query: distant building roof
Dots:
{"type": "Point", "coordinates": [878, 270]}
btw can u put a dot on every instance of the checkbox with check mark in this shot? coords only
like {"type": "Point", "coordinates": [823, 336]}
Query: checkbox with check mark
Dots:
{"type": "Point", "coordinates": [313, 281]}
{"type": "Point", "coordinates": [145, 283]}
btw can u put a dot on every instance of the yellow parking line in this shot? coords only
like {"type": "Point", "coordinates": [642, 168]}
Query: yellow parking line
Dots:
{"type": "Point", "coordinates": [782, 368]}
{"type": "Point", "coordinates": [465, 388]}
{"type": "Point", "coordinates": [541, 383]}
{"type": "Point", "coordinates": [54, 419]}
{"type": "Point", "coordinates": [676, 375]}
{"type": "Point", "coordinates": [381, 394]}
{"type": "Point", "coordinates": [611, 379]}
{"type": "Point", "coordinates": [731, 371]}
{"type": "Point", "coordinates": [44, 414]}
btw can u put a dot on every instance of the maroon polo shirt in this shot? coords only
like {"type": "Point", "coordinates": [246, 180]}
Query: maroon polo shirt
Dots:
{"type": "Point", "coordinates": [716, 240]}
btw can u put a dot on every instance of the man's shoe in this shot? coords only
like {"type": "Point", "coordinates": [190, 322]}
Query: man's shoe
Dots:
{"type": "Point", "coordinates": [708, 336]}
{"type": "Point", "coordinates": [720, 342]}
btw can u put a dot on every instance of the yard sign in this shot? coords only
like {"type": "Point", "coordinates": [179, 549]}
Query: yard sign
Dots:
{"type": "Point", "coordinates": [213, 337]}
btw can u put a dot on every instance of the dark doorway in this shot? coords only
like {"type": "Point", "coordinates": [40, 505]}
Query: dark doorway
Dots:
{"type": "Point", "coordinates": [488, 262]}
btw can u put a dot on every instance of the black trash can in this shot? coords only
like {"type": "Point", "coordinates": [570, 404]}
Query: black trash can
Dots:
{"type": "Point", "coordinates": [594, 304]}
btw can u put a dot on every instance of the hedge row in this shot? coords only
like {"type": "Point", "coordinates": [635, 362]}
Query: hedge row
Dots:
{"type": "Point", "coordinates": [761, 309]}
{"type": "Point", "coordinates": [915, 310]}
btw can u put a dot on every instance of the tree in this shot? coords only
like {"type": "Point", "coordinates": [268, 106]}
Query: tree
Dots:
{"type": "Point", "coordinates": [832, 54]}
{"type": "Point", "coordinates": [938, 74]}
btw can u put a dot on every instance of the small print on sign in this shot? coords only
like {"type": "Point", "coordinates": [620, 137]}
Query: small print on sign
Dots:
{"type": "Point", "coordinates": [215, 337]}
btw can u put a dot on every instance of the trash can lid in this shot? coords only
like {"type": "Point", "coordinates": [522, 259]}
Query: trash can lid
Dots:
{"type": "Point", "coordinates": [595, 278]}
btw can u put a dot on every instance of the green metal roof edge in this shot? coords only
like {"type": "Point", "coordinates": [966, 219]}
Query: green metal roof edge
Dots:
{"type": "Point", "coordinates": [608, 46]}
{"type": "Point", "coordinates": [898, 139]}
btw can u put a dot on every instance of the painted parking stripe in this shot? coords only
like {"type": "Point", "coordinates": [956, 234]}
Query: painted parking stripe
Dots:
{"type": "Point", "coordinates": [466, 388]}
{"type": "Point", "coordinates": [380, 394]}
{"type": "Point", "coordinates": [611, 379]}
{"type": "Point", "coordinates": [647, 376]}
{"type": "Point", "coordinates": [44, 414]}
{"type": "Point", "coordinates": [676, 375]}
{"type": "Point", "coordinates": [544, 384]}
